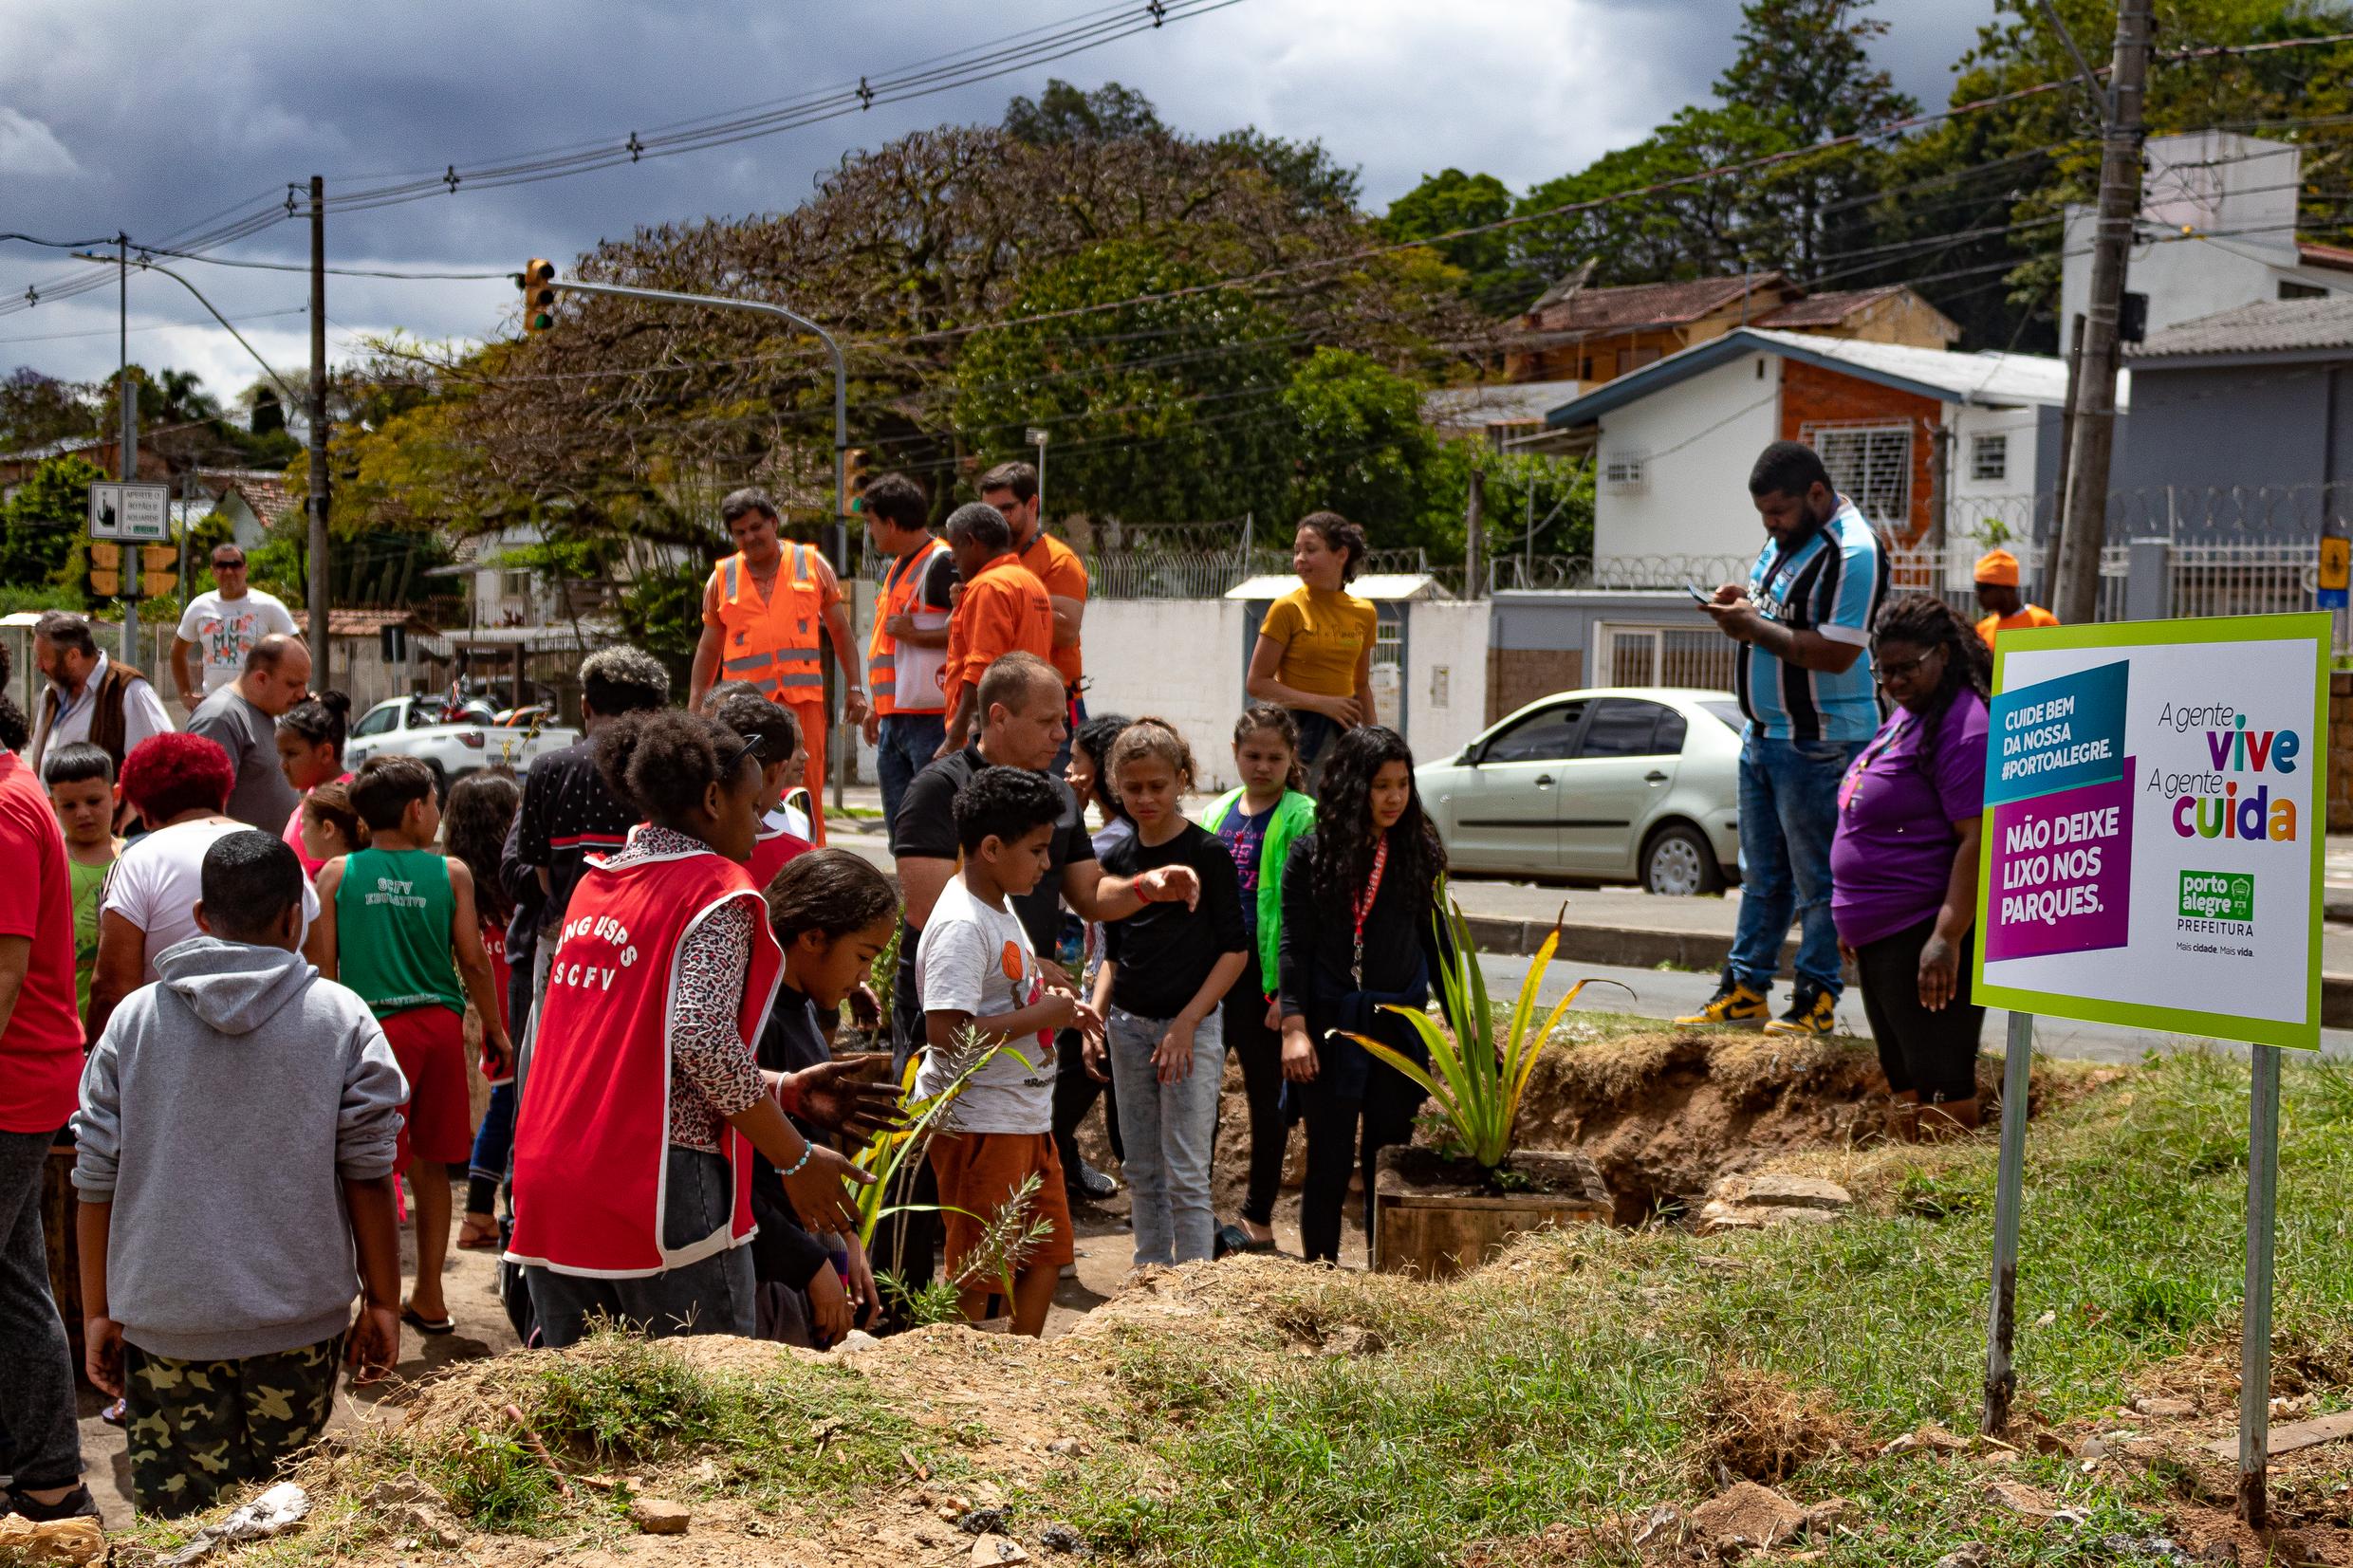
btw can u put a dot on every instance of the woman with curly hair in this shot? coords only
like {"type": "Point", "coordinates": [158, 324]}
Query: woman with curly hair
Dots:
{"type": "Point", "coordinates": [1358, 896]}
{"type": "Point", "coordinates": [1314, 653]}
{"type": "Point", "coordinates": [1904, 865]}
{"type": "Point", "coordinates": [643, 1099]}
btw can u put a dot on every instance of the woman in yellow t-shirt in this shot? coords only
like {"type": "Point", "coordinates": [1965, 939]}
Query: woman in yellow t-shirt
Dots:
{"type": "Point", "coordinates": [1314, 655]}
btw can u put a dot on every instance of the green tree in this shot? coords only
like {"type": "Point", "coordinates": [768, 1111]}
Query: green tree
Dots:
{"type": "Point", "coordinates": [1452, 200]}
{"type": "Point", "coordinates": [41, 523]}
{"type": "Point", "coordinates": [36, 410]}
{"type": "Point", "coordinates": [1065, 114]}
{"type": "Point", "coordinates": [1363, 450]}
{"type": "Point", "coordinates": [1190, 428]}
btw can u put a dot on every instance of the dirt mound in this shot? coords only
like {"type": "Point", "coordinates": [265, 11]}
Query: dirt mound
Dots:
{"type": "Point", "coordinates": [1757, 1426]}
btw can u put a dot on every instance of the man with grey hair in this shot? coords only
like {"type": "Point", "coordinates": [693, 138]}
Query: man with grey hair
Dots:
{"type": "Point", "coordinates": [242, 719]}
{"type": "Point", "coordinates": [768, 611]}
{"type": "Point", "coordinates": [1001, 609]}
{"type": "Point", "coordinates": [89, 696]}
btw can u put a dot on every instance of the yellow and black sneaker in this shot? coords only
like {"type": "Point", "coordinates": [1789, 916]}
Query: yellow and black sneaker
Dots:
{"type": "Point", "coordinates": [1812, 1012]}
{"type": "Point", "coordinates": [1734, 1003]}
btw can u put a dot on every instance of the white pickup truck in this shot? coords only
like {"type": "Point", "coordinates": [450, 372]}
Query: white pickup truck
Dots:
{"type": "Point", "coordinates": [453, 741]}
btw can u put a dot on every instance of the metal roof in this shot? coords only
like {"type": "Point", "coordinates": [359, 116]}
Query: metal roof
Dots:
{"type": "Point", "coordinates": [2266, 326]}
{"type": "Point", "coordinates": [1987, 380]}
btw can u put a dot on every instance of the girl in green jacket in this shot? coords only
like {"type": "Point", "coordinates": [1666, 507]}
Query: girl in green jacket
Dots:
{"type": "Point", "coordinates": [1257, 824]}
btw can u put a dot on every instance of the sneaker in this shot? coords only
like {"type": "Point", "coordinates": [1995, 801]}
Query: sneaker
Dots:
{"type": "Point", "coordinates": [77, 1503]}
{"type": "Point", "coordinates": [1812, 1012]}
{"type": "Point", "coordinates": [1088, 1185]}
{"type": "Point", "coordinates": [1734, 1003]}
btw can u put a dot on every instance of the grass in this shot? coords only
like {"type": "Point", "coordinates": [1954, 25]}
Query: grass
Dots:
{"type": "Point", "coordinates": [1581, 1388]}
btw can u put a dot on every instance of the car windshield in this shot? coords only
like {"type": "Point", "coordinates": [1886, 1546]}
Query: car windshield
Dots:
{"type": "Point", "coordinates": [1729, 712]}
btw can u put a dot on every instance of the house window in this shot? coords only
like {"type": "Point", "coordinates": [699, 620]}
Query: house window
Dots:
{"type": "Point", "coordinates": [2301, 290]}
{"type": "Point", "coordinates": [1622, 471]}
{"type": "Point", "coordinates": [1988, 458]}
{"type": "Point", "coordinates": [514, 585]}
{"type": "Point", "coordinates": [1870, 465]}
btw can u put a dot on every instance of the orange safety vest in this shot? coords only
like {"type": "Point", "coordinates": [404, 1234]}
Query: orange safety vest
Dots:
{"type": "Point", "coordinates": [774, 644]}
{"type": "Point", "coordinates": [906, 680]}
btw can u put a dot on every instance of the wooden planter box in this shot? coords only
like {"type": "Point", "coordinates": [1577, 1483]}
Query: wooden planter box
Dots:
{"type": "Point", "coordinates": [1436, 1218]}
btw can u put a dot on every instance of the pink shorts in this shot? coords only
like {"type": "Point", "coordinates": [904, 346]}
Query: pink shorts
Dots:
{"type": "Point", "coordinates": [437, 1122]}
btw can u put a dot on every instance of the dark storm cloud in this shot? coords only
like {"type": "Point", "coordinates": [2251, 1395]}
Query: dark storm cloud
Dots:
{"type": "Point", "coordinates": [156, 116]}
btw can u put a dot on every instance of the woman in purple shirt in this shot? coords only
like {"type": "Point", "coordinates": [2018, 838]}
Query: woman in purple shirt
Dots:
{"type": "Point", "coordinates": [1903, 866]}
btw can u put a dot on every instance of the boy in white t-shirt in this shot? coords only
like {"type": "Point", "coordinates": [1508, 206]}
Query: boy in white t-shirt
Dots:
{"type": "Point", "coordinates": [977, 966]}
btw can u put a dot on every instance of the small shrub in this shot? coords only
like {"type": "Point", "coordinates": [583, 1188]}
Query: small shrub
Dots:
{"type": "Point", "coordinates": [495, 1481]}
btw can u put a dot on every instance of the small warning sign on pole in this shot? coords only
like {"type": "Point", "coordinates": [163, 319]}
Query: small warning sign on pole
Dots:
{"type": "Point", "coordinates": [2336, 572]}
{"type": "Point", "coordinates": [132, 514]}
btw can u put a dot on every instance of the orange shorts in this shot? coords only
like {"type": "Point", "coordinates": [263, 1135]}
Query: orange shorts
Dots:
{"type": "Point", "coordinates": [979, 1171]}
{"type": "Point", "coordinates": [437, 1122]}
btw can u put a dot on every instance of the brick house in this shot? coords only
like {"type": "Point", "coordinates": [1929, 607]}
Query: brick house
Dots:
{"type": "Point", "coordinates": [1916, 436]}
{"type": "Point", "coordinates": [1591, 336]}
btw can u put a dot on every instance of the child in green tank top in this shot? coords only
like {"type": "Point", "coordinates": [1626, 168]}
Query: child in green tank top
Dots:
{"type": "Point", "coordinates": [397, 924]}
{"type": "Point", "coordinates": [81, 782]}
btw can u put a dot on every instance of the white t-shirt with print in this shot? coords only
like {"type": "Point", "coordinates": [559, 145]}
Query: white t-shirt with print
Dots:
{"type": "Point", "coordinates": [225, 630]}
{"type": "Point", "coordinates": [158, 880]}
{"type": "Point", "coordinates": [974, 959]}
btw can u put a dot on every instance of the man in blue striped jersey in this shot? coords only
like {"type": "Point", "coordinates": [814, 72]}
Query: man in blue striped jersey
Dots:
{"type": "Point", "coordinates": [1805, 681]}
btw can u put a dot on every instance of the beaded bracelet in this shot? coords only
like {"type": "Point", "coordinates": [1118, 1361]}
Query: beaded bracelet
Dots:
{"type": "Point", "coordinates": [809, 1147]}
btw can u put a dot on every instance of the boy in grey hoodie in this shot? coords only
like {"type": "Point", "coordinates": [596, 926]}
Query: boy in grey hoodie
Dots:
{"type": "Point", "coordinates": [236, 1149]}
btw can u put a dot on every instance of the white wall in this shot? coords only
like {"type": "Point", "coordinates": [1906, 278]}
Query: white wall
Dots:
{"type": "Point", "coordinates": [1700, 438]}
{"type": "Point", "coordinates": [1445, 677]}
{"type": "Point", "coordinates": [1178, 659]}
{"type": "Point", "coordinates": [2236, 195]}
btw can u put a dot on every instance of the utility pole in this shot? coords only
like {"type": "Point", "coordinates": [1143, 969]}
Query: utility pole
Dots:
{"type": "Point", "coordinates": [2086, 526]}
{"type": "Point", "coordinates": [321, 645]}
{"type": "Point", "coordinates": [127, 396]}
{"type": "Point", "coordinates": [1473, 520]}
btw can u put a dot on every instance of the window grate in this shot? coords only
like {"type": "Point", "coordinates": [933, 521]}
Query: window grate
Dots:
{"type": "Point", "coordinates": [1871, 464]}
{"type": "Point", "coordinates": [1622, 471]}
{"type": "Point", "coordinates": [1988, 457]}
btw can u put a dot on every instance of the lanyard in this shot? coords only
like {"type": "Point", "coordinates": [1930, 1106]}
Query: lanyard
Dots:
{"type": "Point", "coordinates": [1364, 907]}
{"type": "Point", "coordinates": [1852, 785]}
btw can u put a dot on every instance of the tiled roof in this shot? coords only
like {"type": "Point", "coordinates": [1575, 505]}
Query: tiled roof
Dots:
{"type": "Point", "coordinates": [1642, 304]}
{"type": "Point", "coordinates": [2268, 326]}
{"type": "Point", "coordinates": [360, 623]}
{"type": "Point", "coordinates": [263, 489]}
{"type": "Point", "coordinates": [2313, 253]}
{"type": "Point", "coordinates": [1828, 309]}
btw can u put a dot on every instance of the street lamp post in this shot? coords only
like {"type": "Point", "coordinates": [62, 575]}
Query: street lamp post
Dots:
{"type": "Point", "coordinates": [1035, 435]}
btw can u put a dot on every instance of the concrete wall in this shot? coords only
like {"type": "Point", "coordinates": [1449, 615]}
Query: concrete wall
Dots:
{"type": "Point", "coordinates": [1179, 660]}
{"type": "Point", "coordinates": [1693, 498]}
{"type": "Point", "coordinates": [1446, 675]}
{"type": "Point", "coordinates": [2220, 428]}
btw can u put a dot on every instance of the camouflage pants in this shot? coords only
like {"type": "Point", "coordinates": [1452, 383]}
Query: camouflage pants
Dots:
{"type": "Point", "coordinates": [200, 1427]}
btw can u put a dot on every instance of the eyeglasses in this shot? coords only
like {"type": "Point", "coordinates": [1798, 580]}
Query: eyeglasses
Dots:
{"type": "Point", "coordinates": [236, 566]}
{"type": "Point", "coordinates": [1905, 669]}
{"type": "Point", "coordinates": [752, 745]}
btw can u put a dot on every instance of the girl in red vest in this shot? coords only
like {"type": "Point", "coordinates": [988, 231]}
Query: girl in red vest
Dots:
{"type": "Point", "coordinates": [643, 1101]}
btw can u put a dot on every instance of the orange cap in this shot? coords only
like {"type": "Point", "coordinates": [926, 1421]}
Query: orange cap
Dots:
{"type": "Point", "coordinates": [1998, 567]}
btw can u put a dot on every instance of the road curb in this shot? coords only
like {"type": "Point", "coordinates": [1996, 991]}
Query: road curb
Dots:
{"type": "Point", "coordinates": [1646, 948]}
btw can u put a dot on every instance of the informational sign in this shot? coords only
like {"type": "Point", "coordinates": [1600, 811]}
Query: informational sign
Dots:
{"type": "Point", "coordinates": [2153, 813]}
{"type": "Point", "coordinates": [135, 514]}
{"type": "Point", "coordinates": [2336, 572]}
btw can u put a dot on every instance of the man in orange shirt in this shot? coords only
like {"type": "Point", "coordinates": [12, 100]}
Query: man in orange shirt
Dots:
{"type": "Point", "coordinates": [1012, 490]}
{"type": "Point", "coordinates": [1000, 607]}
{"type": "Point", "coordinates": [767, 610]}
{"type": "Point", "coordinates": [1998, 595]}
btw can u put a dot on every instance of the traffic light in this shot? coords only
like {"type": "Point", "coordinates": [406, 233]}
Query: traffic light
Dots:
{"type": "Point", "coordinates": [105, 570]}
{"type": "Point", "coordinates": [854, 482]}
{"type": "Point", "coordinates": [537, 281]}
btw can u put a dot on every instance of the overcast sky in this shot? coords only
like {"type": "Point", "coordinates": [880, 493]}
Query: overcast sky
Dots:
{"type": "Point", "coordinates": [152, 118]}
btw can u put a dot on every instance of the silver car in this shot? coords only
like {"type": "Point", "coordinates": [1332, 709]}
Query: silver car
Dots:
{"type": "Point", "coordinates": [1637, 784]}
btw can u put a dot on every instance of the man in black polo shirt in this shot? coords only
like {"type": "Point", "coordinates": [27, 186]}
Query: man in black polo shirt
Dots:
{"type": "Point", "coordinates": [1022, 711]}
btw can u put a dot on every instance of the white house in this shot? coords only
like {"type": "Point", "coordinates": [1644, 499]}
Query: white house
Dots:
{"type": "Point", "coordinates": [2217, 231]}
{"type": "Point", "coordinates": [1919, 437]}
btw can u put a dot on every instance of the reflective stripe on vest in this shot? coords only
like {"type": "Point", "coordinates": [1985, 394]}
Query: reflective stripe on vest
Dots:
{"type": "Point", "coordinates": [902, 593]}
{"type": "Point", "coordinates": [774, 645]}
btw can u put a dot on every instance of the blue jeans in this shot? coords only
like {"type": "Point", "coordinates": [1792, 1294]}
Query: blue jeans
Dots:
{"type": "Point", "coordinates": [1789, 811]}
{"type": "Point", "coordinates": [1168, 1130]}
{"type": "Point", "coordinates": [493, 1141]}
{"type": "Point", "coordinates": [903, 748]}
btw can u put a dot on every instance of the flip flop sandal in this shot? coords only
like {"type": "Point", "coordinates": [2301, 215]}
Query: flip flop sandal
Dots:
{"type": "Point", "coordinates": [423, 1324]}
{"type": "Point", "coordinates": [471, 1240]}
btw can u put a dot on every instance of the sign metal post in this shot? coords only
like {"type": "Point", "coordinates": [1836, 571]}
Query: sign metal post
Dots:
{"type": "Point", "coordinates": [2001, 1380]}
{"type": "Point", "coordinates": [2255, 1349]}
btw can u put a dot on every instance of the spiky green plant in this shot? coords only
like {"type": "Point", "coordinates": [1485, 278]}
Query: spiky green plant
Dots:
{"type": "Point", "coordinates": [1477, 1076]}
{"type": "Point", "coordinates": [887, 1153]}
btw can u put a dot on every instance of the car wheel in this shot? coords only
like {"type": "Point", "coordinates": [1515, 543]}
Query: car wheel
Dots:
{"type": "Point", "coordinates": [1678, 862]}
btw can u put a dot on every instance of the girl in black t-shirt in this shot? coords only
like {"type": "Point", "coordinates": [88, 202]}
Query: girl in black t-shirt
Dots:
{"type": "Point", "coordinates": [832, 913]}
{"type": "Point", "coordinates": [1358, 896]}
